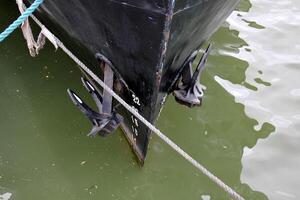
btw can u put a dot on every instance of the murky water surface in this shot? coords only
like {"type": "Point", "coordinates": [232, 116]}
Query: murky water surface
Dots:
{"type": "Point", "coordinates": [247, 131]}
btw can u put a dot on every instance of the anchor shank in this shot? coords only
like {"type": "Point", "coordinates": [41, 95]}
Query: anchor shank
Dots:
{"type": "Point", "coordinates": [109, 81]}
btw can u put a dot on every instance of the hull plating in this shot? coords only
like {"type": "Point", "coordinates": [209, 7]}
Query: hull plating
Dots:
{"type": "Point", "coordinates": [147, 42]}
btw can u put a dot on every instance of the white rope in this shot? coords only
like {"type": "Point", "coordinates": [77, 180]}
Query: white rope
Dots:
{"type": "Point", "coordinates": [175, 147]}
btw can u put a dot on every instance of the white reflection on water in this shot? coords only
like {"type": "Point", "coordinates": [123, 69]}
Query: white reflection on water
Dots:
{"type": "Point", "coordinates": [272, 166]}
{"type": "Point", "coordinates": [5, 196]}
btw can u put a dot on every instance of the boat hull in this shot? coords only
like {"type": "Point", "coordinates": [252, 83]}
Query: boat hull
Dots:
{"type": "Point", "coordinates": [147, 42]}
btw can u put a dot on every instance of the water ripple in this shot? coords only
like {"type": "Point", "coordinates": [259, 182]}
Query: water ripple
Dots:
{"type": "Point", "coordinates": [272, 166]}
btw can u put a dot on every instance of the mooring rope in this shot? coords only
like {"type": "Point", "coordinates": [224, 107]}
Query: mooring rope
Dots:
{"type": "Point", "coordinates": [162, 136]}
{"type": "Point", "coordinates": [20, 19]}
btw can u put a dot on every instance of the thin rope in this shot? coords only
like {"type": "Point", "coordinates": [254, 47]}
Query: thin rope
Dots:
{"type": "Point", "coordinates": [20, 19]}
{"type": "Point", "coordinates": [168, 141]}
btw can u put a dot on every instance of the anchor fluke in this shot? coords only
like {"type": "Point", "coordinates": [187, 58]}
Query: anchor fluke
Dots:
{"type": "Point", "coordinates": [189, 91]}
{"type": "Point", "coordinates": [103, 123]}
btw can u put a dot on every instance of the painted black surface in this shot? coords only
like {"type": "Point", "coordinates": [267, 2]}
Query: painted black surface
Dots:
{"type": "Point", "coordinates": [189, 91]}
{"type": "Point", "coordinates": [104, 122]}
{"type": "Point", "coordinates": [147, 42]}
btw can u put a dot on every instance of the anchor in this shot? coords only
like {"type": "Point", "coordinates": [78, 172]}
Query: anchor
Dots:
{"type": "Point", "coordinates": [189, 91]}
{"type": "Point", "coordinates": [106, 120]}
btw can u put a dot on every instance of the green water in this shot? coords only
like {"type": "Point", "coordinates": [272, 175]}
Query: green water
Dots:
{"type": "Point", "coordinates": [246, 132]}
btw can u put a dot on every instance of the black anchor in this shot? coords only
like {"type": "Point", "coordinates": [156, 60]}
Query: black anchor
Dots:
{"type": "Point", "coordinates": [189, 91]}
{"type": "Point", "coordinates": [103, 122]}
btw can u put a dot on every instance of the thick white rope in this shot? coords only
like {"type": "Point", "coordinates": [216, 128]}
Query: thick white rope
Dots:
{"type": "Point", "coordinates": [168, 141]}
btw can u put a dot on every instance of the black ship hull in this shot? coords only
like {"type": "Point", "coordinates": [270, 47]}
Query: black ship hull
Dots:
{"type": "Point", "coordinates": [146, 41]}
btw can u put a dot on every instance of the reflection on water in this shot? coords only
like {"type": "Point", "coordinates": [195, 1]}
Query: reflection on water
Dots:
{"type": "Point", "coordinates": [44, 153]}
{"type": "Point", "coordinates": [272, 165]}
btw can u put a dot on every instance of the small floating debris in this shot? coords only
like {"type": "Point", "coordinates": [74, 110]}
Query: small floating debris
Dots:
{"type": "Point", "coordinates": [206, 133]}
{"type": "Point", "coordinates": [83, 163]}
{"type": "Point", "coordinates": [92, 187]}
{"type": "Point", "coordinates": [5, 196]}
{"type": "Point", "coordinates": [205, 197]}
{"type": "Point", "coordinates": [89, 189]}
